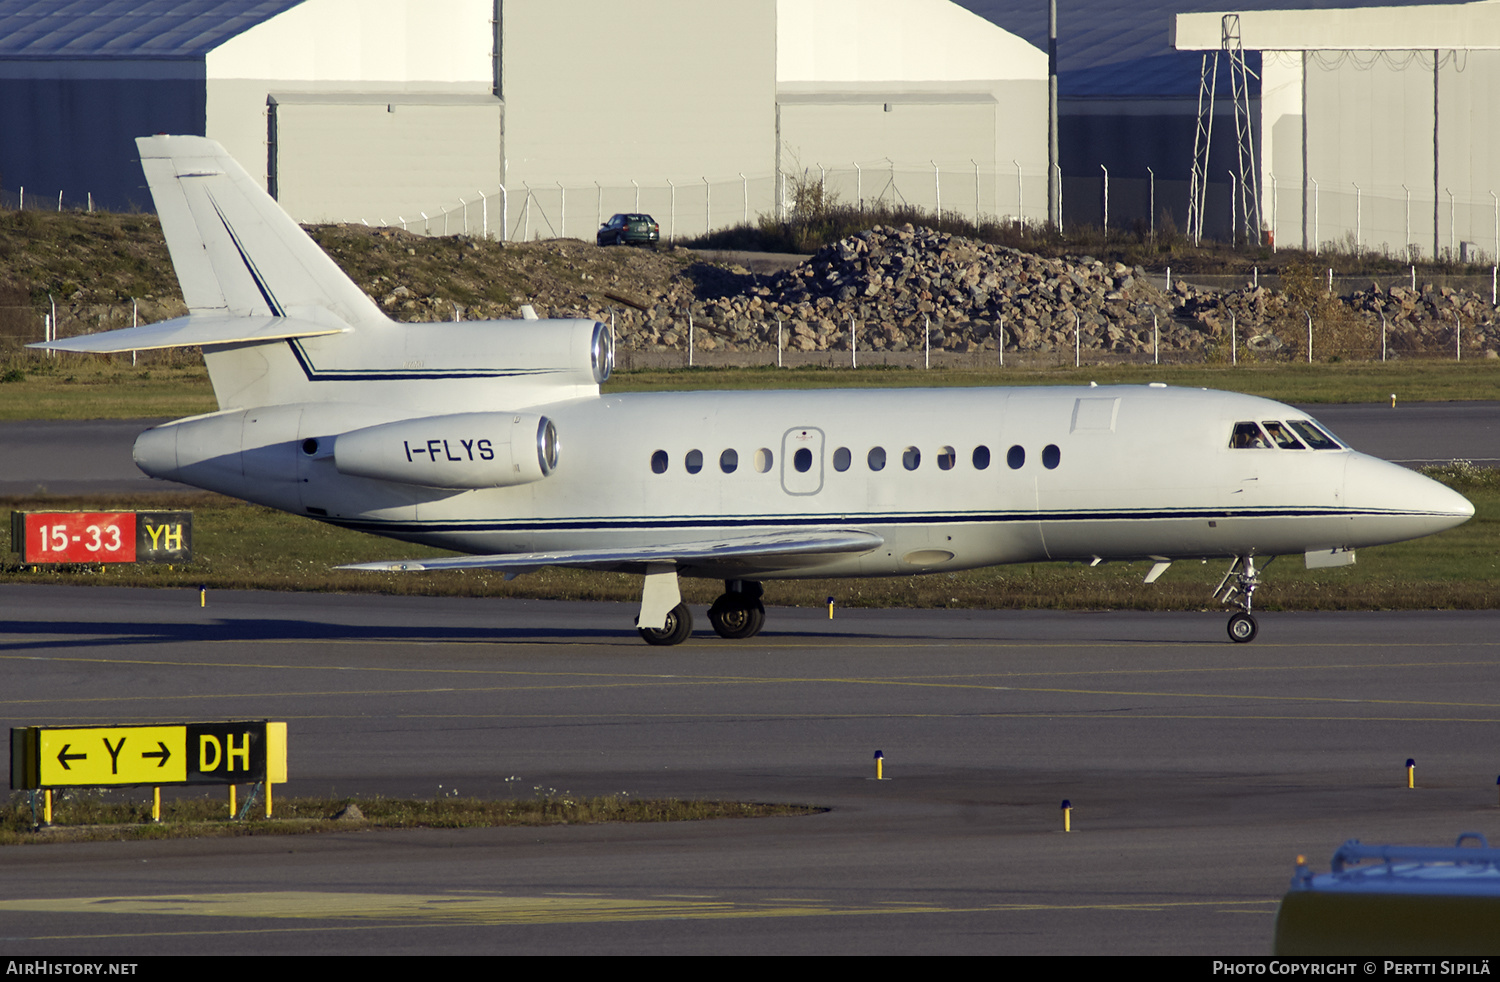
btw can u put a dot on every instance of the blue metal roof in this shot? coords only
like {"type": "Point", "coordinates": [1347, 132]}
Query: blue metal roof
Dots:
{"type": "Point", "coordinates": [1121, 47]}
{"type": "Point", "coordinates": [165, 29]}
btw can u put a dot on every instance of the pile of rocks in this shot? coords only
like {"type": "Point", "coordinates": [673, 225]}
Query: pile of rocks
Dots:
{"type": "Point", "coordinates": [890, 285]}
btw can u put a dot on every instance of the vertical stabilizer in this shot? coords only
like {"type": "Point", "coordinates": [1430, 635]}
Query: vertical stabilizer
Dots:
{"type": "Point", "coordinates": [236, 252]}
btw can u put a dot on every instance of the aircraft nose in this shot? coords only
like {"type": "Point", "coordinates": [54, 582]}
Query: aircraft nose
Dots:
{"type": "Point", "coordinates": [1407, 504]}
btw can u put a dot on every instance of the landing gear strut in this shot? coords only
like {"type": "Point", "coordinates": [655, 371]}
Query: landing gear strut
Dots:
{"type": "Point", "coordinates": [1235, 590]}
{"type": "Point", "coordinates": [738, 613]}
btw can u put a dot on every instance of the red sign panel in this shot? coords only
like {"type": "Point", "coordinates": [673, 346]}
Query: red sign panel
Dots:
{"type": "Point", "coordinates": [79, 537]}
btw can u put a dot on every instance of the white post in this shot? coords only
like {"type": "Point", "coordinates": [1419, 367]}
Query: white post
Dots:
{"type": "Point", "coordinates": [1330, 281]}
{"type": "Point", "coordinates": [1359, 228]}
{"type": "Point", "coordinates": [926, 342]}
{"type": "Point", "coordinates": [853, 345]}
{"type": "Point", "coordinates": [1059, 198]}
{"type": "Point", "coordinates": [778, 342]}
{"type": "Point", "coordinates": [1000, 340]}
{"type": "Point", "coordinates": [1414, 276]}
{"type": "Point", "coordinates": [465, 205]}
{"type": "Point", "coordinates": [976, 193]}
{"type": "Point", "coordinates": [59, 201]}
{"type": "Point", "coordinates": [1234, 341]}
{"type": "Point", "coordinates": [859, 186]}
{"type": "Point", "coordinates": [1155, 340]}
{"type": "Point", "coordinates": [426, 223]}
{"type": "Point", "coordinates": [1382, 337]}
{"type": "Point", "coordinates": [1458, 331]}
{"type": "Point", "coordinates": [1408, 220]}
{"type": "Point", "coordinates": [937, 189]}
{"type": "Point", "coordinates": [598, 205]}
{"type": "Point", "coordinates": [637, 194]}
{"type": "Point", "coordinates": [484, 215]}
{"type": "Point", "coordinates": [562, 211]}
{"type": "Point", "coordinates": [1077, 341]}
{"type": "Point", "coordinates": [1020, 202]}
{"type": "Point", "coordinates": [1105, 224]}
{"type": "Point", "coordinates": [690, 339]}
{"type": "Point", "coordinates": [708, 207]}
{"type": "Point", "coordinates": [1309, 337]}
{"type": "Point", "coordinates": [1496, 255]}
{"type": "Point", "coordinates": [91, 202]}
{"type": "Point", "coordinates": [745, 187]}
{"type": "Point", "coordinates": [1151, 201]}
{"type": "Point", "coordinates": [1232, 210]}
{"type": "Point", "coordinates": [672, 228]}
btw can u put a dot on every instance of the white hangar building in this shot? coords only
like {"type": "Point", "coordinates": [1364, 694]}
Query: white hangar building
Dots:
{"type": "Point", "coordinates": [1376, 125]}
{"type": "Point", "coordinates": [377, 109]}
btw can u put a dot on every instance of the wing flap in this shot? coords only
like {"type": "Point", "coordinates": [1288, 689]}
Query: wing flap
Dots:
{"type": "Point", "coordinates": [773, 551]}
{"type": "Point", "coordinates": [191, 331]}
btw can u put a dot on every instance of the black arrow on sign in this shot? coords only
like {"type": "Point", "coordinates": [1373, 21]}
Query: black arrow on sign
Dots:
{"type": "Point", "coordinates": [163, 753]}
{"type": "Point", "coordinates": [63, 757]}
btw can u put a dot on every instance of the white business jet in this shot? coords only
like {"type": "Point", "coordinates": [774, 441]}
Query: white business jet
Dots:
{"type": "Point", "coordinates": [491, 438]}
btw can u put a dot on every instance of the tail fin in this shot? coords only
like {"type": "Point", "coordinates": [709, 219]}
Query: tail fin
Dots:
{"type": "Point", "coordinates": [235, 251]}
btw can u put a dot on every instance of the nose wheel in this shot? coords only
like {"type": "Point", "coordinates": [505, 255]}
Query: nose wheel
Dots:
{"type": "Point", "coordinates": [1235, 590]}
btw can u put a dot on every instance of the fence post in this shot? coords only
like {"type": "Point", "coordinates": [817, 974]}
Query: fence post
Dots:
{"type": "Point", "coordinates": [708, 207]}
{"type": "Point", "coordinates": [1151, 206]}
{"type": "Point", "coordinates": [1104, 225]}
{"type": "Point", "coordinates": [937, 188]}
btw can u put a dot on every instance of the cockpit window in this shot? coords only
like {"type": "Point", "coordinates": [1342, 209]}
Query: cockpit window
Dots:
{"type": "Point", "coordinates": [1281, 436]}
{"type": "Point", "coordinates": [1314, 435]}
{"type": "Point", "coordinates": [1247, 436]}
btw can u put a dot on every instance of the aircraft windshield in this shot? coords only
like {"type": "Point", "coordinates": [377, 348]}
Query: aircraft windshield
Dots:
{"type": "Point", "coordinates": [1294, 434]}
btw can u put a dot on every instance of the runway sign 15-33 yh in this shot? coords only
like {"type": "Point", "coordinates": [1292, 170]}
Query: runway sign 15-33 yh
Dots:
{"type": "Point", "coordinates": [102, 537]}
{"type": "Point", "coordinates": [119, 756]}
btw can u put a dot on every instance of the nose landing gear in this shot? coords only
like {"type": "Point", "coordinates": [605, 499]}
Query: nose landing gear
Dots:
{"type": "Point", "coordinates": [1235, 590]}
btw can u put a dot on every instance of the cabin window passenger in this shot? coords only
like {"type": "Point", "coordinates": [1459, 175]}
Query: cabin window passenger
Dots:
{"type": "Point", "coordinates": [1281, 436]}
{"type": "Point", "coordinates": [1316, 438]}
{"type": "Point", "coordinates": [763, 460]}
{"type": "Point", "coordinates": [841, 458]}
{"type": "Point", "coordinates": [946, 458]}
{"type": "Point", "coordinates": [802, 460]}
{"type": "Point", "coordinates": [729, 461]}
{"type": "Point", "coordinates": [659, 462]}
{"type": "Point", "coordinates": [693, 461]}
{"type": "Point", "coordinates": [1247, 436]}
{"type": "Point", "coordinates": [1051, 456]}
{"type": "Point", "coordinates": [981, 458]}
{"type": "Point", "coordinates": [877, 458]}
{"type": "Point", "coordinates": [1016, 457]}
{"type": "Point", "coordinates": [911, 458]}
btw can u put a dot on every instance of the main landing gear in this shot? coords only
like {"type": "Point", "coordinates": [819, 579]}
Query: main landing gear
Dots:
{"type": "Point", "coordinates": [738, 613]}
{"type": "Point", "coordinates": [676, 630]}
{"type": "Point", "coordinates": [1235, 590]}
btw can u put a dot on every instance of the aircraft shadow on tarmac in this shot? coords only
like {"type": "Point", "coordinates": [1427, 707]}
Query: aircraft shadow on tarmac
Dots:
{"type": "Point", "coordinates": [16, 636]}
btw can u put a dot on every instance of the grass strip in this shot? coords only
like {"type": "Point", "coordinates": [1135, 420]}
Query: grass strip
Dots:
{"type": "Point", "coordinates": [97, 815]}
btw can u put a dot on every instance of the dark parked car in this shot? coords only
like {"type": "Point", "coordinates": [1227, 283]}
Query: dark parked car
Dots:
{"type": "Point", "coordinates": [624, 229]}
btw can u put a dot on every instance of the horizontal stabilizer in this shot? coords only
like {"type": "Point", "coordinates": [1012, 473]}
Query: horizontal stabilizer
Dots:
{"type": "Point", "coordinates": [773, 551]}
{"type": "Point", "coordinates": [184, 332]}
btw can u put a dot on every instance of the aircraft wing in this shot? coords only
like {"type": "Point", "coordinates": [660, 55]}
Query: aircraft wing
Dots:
{"type": "Point", "coordinates": [182, 332]}
{"type": "Point", "coordinates": [777, 550]}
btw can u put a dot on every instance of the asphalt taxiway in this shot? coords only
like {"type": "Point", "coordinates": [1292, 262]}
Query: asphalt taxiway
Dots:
{"type": "Point", "coordinates": [1198, 771]}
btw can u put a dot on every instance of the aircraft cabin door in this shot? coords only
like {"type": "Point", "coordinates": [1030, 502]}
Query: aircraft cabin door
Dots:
{"type": "Point", "coordinates": [802, 460]}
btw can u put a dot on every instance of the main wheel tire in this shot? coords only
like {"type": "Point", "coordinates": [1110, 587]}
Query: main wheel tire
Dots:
{"type": "Point", "coordinates": [676, 630]}
{"type": "Point", "coordinates": [737, 618]}
{"type": "Point", "coordinates": [1242, 628]}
